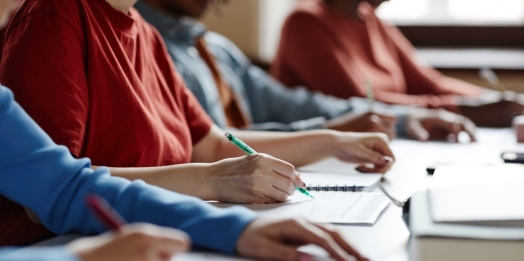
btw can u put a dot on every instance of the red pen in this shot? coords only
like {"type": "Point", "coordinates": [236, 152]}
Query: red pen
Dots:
{"type": "Point", "coordinates": [104, 212]}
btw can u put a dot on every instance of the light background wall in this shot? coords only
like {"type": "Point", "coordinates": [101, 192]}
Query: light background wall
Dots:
{"type": "Point", "coordinates": [254, 25]}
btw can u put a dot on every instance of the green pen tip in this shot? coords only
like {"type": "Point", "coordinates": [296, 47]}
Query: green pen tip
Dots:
{"type": "Point", "coordinates": [305, 192]}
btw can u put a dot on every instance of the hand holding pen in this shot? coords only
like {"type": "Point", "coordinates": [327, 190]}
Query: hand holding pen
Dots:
{"type": "Point", "coordinates": [137, 242]}
{"type": "Point", "coordinates": [240, 144]}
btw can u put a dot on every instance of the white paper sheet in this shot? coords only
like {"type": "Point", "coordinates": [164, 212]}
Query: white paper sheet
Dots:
{"type": "Point", "coordinates": [499, 202]}
{"type": "Point", "coordinates": [327, 207]}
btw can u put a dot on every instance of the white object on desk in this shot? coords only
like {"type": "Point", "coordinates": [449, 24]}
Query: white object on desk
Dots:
{"type": "Point", "coordinates": [488, 194]}
{"type": "Point", "coordinates": [461, 175]}
{"type": "Point", "coordinates": [432, 241]}
{"type": "Point", "coordinates": [495, 205]}
{"type": "Point", "coordinates": [327, 207]}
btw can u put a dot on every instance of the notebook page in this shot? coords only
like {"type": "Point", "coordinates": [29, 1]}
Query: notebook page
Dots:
{"type": "Point", "coordinates": [327, 207]}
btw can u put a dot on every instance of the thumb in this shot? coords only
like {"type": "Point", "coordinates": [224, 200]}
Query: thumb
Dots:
{"type": "Point", "coordinates": [417, 131]}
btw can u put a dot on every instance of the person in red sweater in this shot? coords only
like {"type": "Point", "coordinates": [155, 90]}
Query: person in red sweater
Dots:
{"type": "Point", "coordinates": [340, 46]}
{"type": "Point", "coordinates": [97, 78]}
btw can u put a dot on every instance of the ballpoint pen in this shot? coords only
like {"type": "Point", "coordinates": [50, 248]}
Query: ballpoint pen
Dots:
{"type": "Point", "coordinates": [249, 151]}
{"type": "Point", "coordinates": [104, 212]}
{"type": "Point", "coordinates": [369, 94]}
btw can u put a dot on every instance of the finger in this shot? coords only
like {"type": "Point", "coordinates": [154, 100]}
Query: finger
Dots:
{"type": "Point", "coordinates": [367, 155]}
{"type": "Point", "coordinates": [375, 169]}
{"type": "Point", "coordinates": [166, 248]}
{"type": "Point", "coordinates": [307, 233]}
{"type": "Point", "coordinates": [417, 131]}
{"type": "Point", "coordinates": [285, 169]}
{"type": "Point", "coordinates": [282, 183]}
{"type": "Point", "coordinates": [388, 120]}
{"type": "Point", "coordinates": [275, 194]}
{"type": "Point", "coordinates": [343, 243]}
{"type": "Point", "coordinates": [381, 126]}
{"type": "Point", "coordinates": [383, 148]}
{"type": "Point", "coordinates": [270, 250]}
{"type": "Point", "coordinates": [451, 127]}
{"type": "Point", "coordinates": [469, 127]}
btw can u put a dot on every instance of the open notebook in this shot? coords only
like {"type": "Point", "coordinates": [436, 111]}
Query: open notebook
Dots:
{"type": "Point", "coordinates": [330, 206]}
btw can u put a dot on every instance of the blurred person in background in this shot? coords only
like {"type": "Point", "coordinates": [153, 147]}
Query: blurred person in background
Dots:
{"type": "Point", "coordinates": [216, 71]}
{"type": "Point", "coordinates": [337, 46]}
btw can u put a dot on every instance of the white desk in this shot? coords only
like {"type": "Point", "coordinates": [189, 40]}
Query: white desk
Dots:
{"type": "Point", "coordinates": [388, 238]}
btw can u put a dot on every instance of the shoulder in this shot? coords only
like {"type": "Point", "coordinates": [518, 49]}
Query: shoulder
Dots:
{"type": "Point", "coordinates": [62, 8]}
{"type": "Point", "coordinates": [68, 11]}
{"type": "Point", "coordinates": [225, 48]}
{"type": "Point", "coordinates": [218, 41]}
{"type": "Point", "coordinates": [368, 13]}
{"type": "Point", "coordinates": [307, 16]}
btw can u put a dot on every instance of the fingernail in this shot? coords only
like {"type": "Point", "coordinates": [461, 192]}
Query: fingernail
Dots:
{"type": "Point", "coordinates": [387, 159]}
{"type": "Point", "coordinates": [305, 257]}
{"type": "Point", "coordinates": [303, 185]}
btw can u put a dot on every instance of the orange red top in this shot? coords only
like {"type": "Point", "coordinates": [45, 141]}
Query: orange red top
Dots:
{"type": "Point", "coordinates": [325, 51]}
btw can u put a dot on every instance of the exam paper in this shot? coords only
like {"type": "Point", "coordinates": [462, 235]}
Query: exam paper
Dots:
{"type": "Point", "coordinates": [327, 207]}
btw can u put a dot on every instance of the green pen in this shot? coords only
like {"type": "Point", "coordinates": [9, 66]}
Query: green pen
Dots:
{"type": "Point", "coordinates": [250, 151]}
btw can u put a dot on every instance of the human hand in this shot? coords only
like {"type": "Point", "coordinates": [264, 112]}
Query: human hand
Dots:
{"type": "Point", "coordinates": [364, 122]}
{"type": "Point", "coordinates": [138, 242]}
{"type": "Point", "coordinates": [424, 124]}
{"type": "Point", "coordinates": [256, 178]}
{"type": "Point", "coordinates": [364, 148]}
{"type": "Point", "coordinates": [495, 109]}
{"type": "Point", "coordinates": [278, 239]}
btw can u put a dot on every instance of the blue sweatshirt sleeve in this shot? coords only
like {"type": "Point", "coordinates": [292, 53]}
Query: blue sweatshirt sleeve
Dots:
{"type": "Point", "coordinates": [37, 254]}
{"type": "Point", "coordinates": [45, 178]}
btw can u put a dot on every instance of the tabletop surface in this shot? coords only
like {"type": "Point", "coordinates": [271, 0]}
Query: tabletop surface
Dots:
{"type": "Point", "coordinates": [387, 240]}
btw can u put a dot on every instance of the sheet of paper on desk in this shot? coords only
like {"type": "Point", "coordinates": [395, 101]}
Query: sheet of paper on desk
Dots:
{"type": "Point", "coordinates": [327, 207]}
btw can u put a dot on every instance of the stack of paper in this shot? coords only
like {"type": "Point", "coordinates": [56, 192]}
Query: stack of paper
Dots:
{"type": "Point", "coordinates": [495, 205]}
{"type": "Point", "coordinates": [489, 195]}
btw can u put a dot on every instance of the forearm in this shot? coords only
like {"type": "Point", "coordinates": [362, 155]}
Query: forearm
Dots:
{"type": "Point", "coordinates": [299, 148]}
{"type": "Point", "coordinates": [190, 179]}
{"type": "Point", "coordinates": [44, 177]}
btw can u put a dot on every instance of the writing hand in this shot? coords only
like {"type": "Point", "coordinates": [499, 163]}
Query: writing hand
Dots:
{"type": "Point", "coordinates": [256, 178]}
{"type": "Point", "coordinates": [137, 242]}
